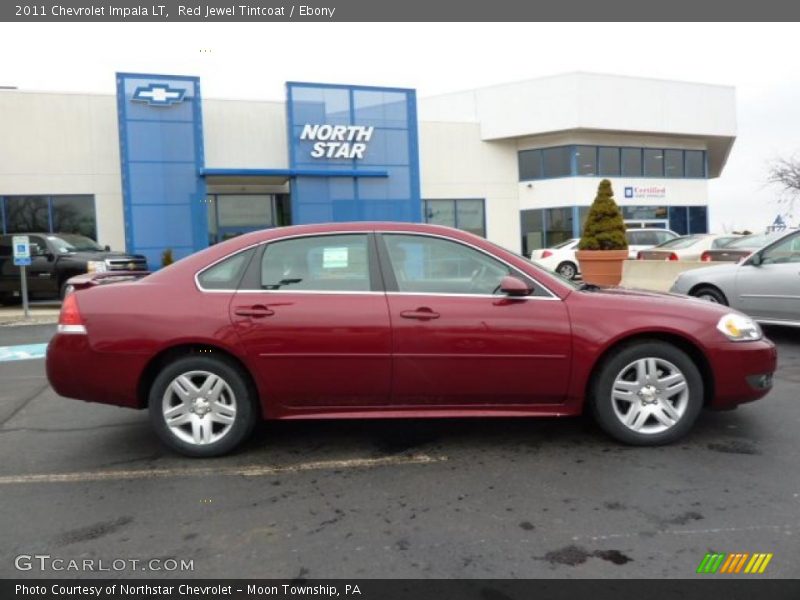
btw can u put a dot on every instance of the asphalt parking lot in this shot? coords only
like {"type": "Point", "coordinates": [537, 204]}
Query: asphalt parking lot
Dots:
{"type": "Point", "coordinates": [451, 498]}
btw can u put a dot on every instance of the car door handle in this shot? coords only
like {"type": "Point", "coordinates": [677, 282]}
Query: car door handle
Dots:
{"type": "Point", "coordinates": [422, 314]}
{"type": "Point", "coordinates": [256, 311]}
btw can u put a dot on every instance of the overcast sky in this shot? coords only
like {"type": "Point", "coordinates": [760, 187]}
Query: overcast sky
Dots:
{"type": "Point", "coordinates": [254, 60]}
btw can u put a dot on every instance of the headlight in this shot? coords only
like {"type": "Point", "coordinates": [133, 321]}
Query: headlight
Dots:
{"type": "Point", "coordinates": [739, 328]}
{"type": "Point", "coordinates": [96, 266]}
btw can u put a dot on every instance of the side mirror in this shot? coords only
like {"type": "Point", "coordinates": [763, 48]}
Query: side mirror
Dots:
{"type": "Point", "coordinates": [755, 259]}
{"type": "Point", "coordinates": [107, 248]}
{"type": "Point", "coordinates": [514, 286]}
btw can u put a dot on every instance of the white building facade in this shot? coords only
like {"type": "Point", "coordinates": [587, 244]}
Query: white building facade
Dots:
{"type": "Point", "coordinates": [156, 167]}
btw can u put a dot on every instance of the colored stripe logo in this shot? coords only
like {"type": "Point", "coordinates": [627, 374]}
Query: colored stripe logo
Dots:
{"type": "Point", "coordinates": [734, 563]}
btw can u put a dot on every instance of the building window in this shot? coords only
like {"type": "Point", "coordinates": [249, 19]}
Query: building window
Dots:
{"type": "Point", "coordinates": [48, 214]}
{"type": "Point", "coordinates": [557, 162]}
{"type": "Point", "coordinates": [230, 215]}
{"type": "Point", "coordinates": [530, 164]}
{"type": "Point", "coordinates": [673, 163]}
{"type": "Point", "coordinates": [632, 162]}
{"type": "Point", "coordinates": [695, 163]}
{"type": "Point", "coordinates": [608, 159]}
{"type": "Point", "coordinates": [467, 214]}
{"type": "Point", "coordinates": [653, 162]}
{"type": "Point", "coordinates": [559, 225]}
{"type": "Point", "coordinates": [586, 160]}
{"type": "Point", "coordinates": [532, 230]}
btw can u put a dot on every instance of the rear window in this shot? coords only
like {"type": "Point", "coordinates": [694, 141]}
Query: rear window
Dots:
{"type": "Point", "coordinates": [681, 242]}
{"type": "Point", "coordinates": [755, 241]}
{"type": "Point", "coordinates": [226, 274]}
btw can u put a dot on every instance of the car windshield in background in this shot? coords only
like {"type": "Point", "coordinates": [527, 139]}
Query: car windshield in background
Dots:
{"type": "Point", "coordinates": [681, 242]}
{"type": "Point", "coordinates": [724, 242]}
{"type": "Point", "coordinates": [563, 244]}
{"type": "Point", "coordinates": [756, 241]}
{"type": "Point", "coordinates": [73, 243]}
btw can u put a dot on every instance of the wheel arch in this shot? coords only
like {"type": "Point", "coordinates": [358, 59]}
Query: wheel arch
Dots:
{"type": "Point", "coordinates": [172, 353]}
{"type": "Point", "coordinates": [687, 345]}
{"type": "Point", "coordinates": [699, 286]}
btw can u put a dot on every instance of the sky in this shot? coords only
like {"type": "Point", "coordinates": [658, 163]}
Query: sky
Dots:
{"type": "Point", "coordinates": [253, 60]}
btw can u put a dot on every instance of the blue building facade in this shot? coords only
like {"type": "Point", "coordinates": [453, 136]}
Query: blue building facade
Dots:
{"type": "Point", "coordinates": [353, 156]}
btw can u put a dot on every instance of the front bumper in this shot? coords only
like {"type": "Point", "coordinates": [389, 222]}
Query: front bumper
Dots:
{"type": "Point", "coordinates": [742, 371]}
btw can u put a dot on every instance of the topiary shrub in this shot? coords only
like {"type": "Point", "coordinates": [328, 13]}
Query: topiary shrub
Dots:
{"type": "Point", "coordinates": [166, 257]}
{"type": "Point", "coordinates": [605, 228]}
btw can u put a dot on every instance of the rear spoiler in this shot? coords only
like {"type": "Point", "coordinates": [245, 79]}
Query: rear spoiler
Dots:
{"type": "Point", "coordinates": [87, 280]}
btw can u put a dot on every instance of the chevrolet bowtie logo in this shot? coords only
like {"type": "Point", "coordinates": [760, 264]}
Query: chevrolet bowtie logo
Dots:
{"type": "Point", "coordinates": [158, 94]}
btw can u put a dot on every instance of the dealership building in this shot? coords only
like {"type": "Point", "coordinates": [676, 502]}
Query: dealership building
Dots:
{"type": "Point", "coordinates": [158, 166]}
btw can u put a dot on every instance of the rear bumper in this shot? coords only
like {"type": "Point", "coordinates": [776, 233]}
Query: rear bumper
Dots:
{"type": "Point", "coordinates": [75, 370]}
{"type": "Point", "coordinates": [742, 371]}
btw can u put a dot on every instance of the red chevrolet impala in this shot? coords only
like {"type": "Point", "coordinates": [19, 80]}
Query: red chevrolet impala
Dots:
{"type": "Point", "coordinates": [395, 320]}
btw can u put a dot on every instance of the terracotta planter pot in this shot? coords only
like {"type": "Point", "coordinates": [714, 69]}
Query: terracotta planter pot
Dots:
{"type": "Point", "coordinates": [602, 267]}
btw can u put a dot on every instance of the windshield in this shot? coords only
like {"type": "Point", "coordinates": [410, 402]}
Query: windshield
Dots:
{"type": "Point", "coordinates": [680, 242]}
{"type": "Point", "coordinates": [755, 241]}
{"type": "Point", "coordinates": [73, 243]}
{"type": "Point", "coordinates": [564, 244]}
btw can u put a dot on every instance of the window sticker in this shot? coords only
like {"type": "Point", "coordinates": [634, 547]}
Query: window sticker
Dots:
{"type": "Point", "coordinates": [335, 258]}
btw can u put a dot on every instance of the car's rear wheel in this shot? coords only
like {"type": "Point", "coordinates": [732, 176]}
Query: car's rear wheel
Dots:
{"type": "Point", "coordinates": [711, 294]}
{"type": "Point", "coordinates": [202, 406]}
{"type": "Point", "coordinates": [647, 393]}
{"type": "Point", "coordinates": [567, 270]}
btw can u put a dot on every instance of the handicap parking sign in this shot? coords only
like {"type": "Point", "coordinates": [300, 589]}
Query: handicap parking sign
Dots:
{"type": "Point", "coordinates": [22, 250]}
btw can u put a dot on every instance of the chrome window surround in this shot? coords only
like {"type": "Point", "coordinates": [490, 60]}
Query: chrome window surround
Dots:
{"type": "Point", "coordinates": [551, 295]}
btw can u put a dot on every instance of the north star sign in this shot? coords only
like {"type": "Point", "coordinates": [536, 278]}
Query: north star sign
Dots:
{"type": "Point", "coordinates": [337, 141]}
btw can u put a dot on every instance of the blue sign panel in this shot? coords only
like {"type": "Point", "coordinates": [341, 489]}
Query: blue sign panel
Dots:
{"type": "Point", "coordinates": [358, 130]}
{"type": "Point", "coordinates": [161, 151]}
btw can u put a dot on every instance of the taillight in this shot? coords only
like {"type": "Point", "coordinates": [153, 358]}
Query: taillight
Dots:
{"type": "Point", "coordinates": [705, 257]}
{"type": "Point", "coordinates": [673, 256]}
{"type": "Point", "coordinates": [546, 253]}
{"type": "Point", "coordinates": [70, 319]}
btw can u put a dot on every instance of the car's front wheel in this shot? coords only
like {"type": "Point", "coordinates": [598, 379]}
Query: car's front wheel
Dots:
{"type": "Point", "coordinates": [710, 294]}
{"type": "Point", "coordinates": [647, 393]}
{"type": "Point", "coordinates": [202, 406]}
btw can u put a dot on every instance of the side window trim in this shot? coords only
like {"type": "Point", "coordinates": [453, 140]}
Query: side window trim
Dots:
{"type": "Point", "coordinates": [391, 280]}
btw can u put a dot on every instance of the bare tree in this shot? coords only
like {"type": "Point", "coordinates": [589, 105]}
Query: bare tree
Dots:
{"type": "Point", "coordinates": [785, 173]}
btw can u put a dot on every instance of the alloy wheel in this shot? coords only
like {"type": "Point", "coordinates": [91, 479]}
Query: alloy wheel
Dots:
{"type": "Point", "coordinates": [650, 395]}
{"type": "Point", "coordinates": [199, 407]}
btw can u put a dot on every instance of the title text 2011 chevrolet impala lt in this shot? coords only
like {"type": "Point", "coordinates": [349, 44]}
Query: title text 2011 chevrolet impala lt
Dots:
{"type": "Point", "coordinates": [395, 320]}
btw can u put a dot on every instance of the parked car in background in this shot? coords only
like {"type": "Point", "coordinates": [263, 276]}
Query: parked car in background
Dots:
{"type": "Point", "coordinates": [646, 238]}
{"type": "Point", "coordinates": [559, 258]}
{"type": "Point", "coordinates": [766, 285]}
{"type": "Point", "coordinates": [367, 320]}
{"type": "Point", "coordinates": [55, 257]}
{"type": "Point", "coordinates": [687, 247]}
{"type": "Point", "coordinates": [740, 249]}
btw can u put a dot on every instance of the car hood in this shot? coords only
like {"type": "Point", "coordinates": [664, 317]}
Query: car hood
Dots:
{"type": "Point", "coordinates": [706, 273]}
{"type": "Point", "coordinates": [660, 302]}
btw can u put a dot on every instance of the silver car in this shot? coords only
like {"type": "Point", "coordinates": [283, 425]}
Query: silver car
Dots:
{"type": "Point", "coordinates": [766, 285]}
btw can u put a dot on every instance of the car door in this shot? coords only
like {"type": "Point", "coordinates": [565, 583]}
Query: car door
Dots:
{"type": "Point", "coordinates": [41, 271]}
{"type": "Point", "coordinates": [770, 289]}
{"type": "Point", "coordinates": [457, 341]}
{"type": "Point", "coordinates": [313, 318]}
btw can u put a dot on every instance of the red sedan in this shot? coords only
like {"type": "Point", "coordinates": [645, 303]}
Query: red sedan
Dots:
{"type": "Point", "coordinates": [395, 320]}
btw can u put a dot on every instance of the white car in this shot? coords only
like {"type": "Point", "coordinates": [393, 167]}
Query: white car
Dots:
{"type": "Point", "coordinates": [646, 238]}
{"type": "Point", "coordinates": [560, 258]}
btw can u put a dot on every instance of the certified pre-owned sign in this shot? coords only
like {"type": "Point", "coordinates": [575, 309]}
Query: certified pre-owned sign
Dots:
{"type": "Point", "coordinates": [337, 141]}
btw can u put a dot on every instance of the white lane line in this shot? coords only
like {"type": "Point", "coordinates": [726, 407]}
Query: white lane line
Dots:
{"type": "Point", "coordinates": [788, 528]}
{"type": "Point", "coordinates": [246, 471]}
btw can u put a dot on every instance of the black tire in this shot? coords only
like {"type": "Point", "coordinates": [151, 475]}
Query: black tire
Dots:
{"type": "Point", "coordinates": [246, 412]}
{"type": "Point", "coordinates": [710, 293]}
{"type": "Point", "coordinates": [603, 405]}
{"type": "Point", "coordinates": [570, 269]}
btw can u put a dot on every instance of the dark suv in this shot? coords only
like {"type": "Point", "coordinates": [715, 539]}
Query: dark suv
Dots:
{"type": "Point", "coordinates": [55, 257]}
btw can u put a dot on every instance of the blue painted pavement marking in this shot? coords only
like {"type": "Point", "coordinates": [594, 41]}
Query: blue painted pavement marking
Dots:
{"type": "Point", "coordinates": [23, 352]}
